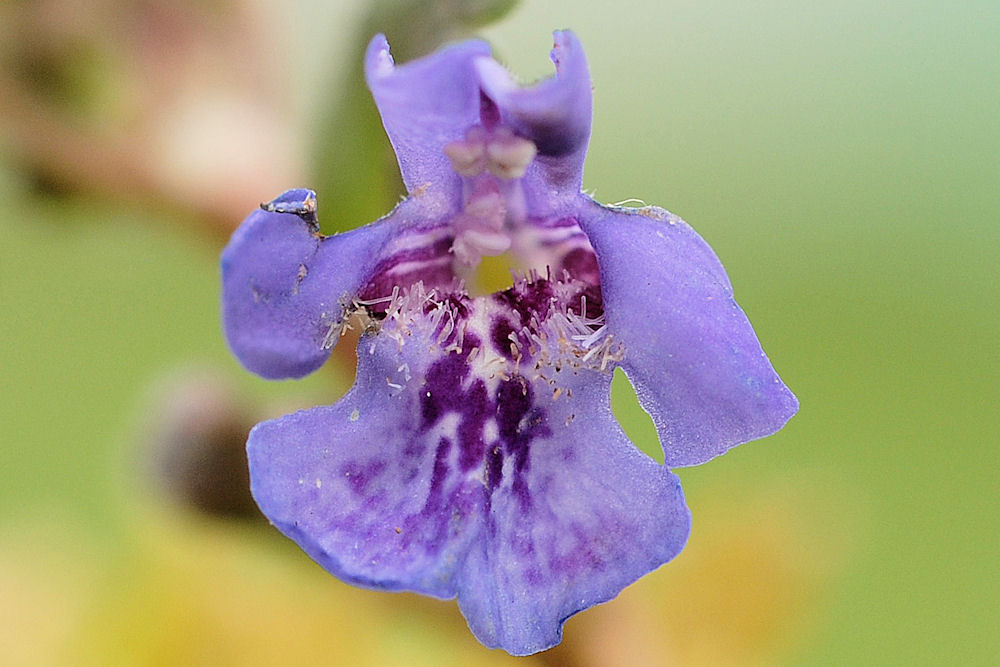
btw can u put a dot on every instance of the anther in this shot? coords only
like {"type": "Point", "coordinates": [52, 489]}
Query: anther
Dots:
{"type": "Point", "coordinates": [467, 159]}
{"type": "Point", "coordinates": [468, 156]}
{"type": "Point", "coordinates": [508, 155]}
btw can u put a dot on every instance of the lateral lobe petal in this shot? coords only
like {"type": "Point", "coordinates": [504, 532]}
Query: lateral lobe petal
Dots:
{"type": "Point", "coordinates": [285, 287]}
{"type": "Point", "coordinates": [696, 364]}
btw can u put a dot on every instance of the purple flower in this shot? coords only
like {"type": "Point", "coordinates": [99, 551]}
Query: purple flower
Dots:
{"type": "Point", "coordinates": [476, 455]}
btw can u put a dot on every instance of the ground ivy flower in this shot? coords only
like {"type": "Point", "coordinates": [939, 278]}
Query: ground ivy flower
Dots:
{"type": "Point", "coordinates": [476, 454]}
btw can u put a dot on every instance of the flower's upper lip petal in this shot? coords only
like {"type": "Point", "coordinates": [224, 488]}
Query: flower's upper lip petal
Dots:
{"type": "Point", "coordinates": [426, 104]}
{"type": "Point", "coordinates": [690, 352]}
{"type": "Point", "coordinates": [598, 515]}
{"type": "Point", "coordinates": [284, 287]}
{"type": "Point", "coordinates": [555, 113]}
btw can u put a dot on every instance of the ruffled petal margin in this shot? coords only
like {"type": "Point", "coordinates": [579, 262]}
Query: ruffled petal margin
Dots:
{"type": "Point", "coordinates": [692, 356]}
{"type": "Point", "coordinates": [592, 515]}
{"type": "Point", "coordinates": [367, 494]}
{"type": "Point", "coordinates": [434, 475]}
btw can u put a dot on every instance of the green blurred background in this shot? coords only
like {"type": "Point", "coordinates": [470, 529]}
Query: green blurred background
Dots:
{"type": "Point", "coordinates": [841, 159]}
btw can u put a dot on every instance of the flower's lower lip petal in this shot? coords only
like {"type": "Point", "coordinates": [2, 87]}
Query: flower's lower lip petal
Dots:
{"type": "Point", "coordinates": [449, 470]}
{"type": "Point", "coordinates": [690, 352]}
{"type": "Point", "coordinates": [586, 516]}
{"type": "Point", "coordinates": [284, 288]}
{"type": "Point", "coordinates": [359, 486]}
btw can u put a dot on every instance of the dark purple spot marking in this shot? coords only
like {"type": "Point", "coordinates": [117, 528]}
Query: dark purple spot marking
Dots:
{"type": "Point", "coordinates": [581, 263]}
{"type": "Point", "coordinates": [386, 276]}
{"type": "Point", "coordinates": [443, 392]}
{"type": "Point", "coordinates": [360, 476]}
{"type": "Point", "coordinates": [469, 342]}
{"type": "Point", "coordinates": [474, 410]}
{"type": "Point", "coordinates": [430, 527]}
{"type": "Point", "coordinates": [527, 299]}
{"type": "Point", "coordinates": [519, 422]}
{"type": "Point", "coordinates": [435, 499]}
{"type": "Point", "coordinates": [443, 388]}
{"type": "Point", "coordinates": [500, 336]}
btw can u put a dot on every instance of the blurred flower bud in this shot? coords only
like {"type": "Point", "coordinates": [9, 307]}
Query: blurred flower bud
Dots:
{"type": "Point", "coordinates": [196, 445]}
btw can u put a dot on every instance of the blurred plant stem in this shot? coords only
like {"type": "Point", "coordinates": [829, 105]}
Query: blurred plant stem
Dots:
{"type": "Point", "coordinates": [356, 173]}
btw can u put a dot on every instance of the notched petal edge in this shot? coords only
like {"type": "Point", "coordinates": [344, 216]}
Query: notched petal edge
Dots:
{"type": "Point", "coordinates": [555, 113]}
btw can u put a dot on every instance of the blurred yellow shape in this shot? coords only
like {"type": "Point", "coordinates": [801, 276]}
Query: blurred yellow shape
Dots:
{"type": "Point", "coordinates": [44, 588]}
{"type": "Point", "coordinates": [192, 591]}
{"type": "Point", "coordinates": [748, 589]}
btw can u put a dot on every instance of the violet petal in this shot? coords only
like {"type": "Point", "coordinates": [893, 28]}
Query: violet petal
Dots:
{"type": "Point", "coordinates": [375, 501]}
{"type": "Point", "coordinates": [587, 515]}
{"type": "Point", "coordinates": [285, 287]}
{"type": "Point", "coordinates": [690, 352]}
{"type": "Point", "coordinates": [426, 104]}
{"type": "Point", "coordinates": [520, 494]}
{"type": "Point", "coordinates": [554, 113]}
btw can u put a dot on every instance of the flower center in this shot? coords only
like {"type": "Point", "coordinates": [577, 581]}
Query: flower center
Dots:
{"type": "Point", "coordinates": [551, 316]}
{"type": "Point", "coordinates": [537, 328]}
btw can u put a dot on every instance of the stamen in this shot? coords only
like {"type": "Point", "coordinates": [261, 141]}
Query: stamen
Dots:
{"type": "Point", "coordinates": [509, 155]}
{"type": "Point", "coordinates": [468, 158]}
{"type": "Point", "coordinates": [587, 342]}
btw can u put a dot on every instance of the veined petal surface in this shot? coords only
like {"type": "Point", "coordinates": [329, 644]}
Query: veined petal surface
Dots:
{"type": "Point", "coordinates": [585, 516]}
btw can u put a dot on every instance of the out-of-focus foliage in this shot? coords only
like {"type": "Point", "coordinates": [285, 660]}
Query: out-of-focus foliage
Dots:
{"type": "Point", "coordinates": [180, 104]}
